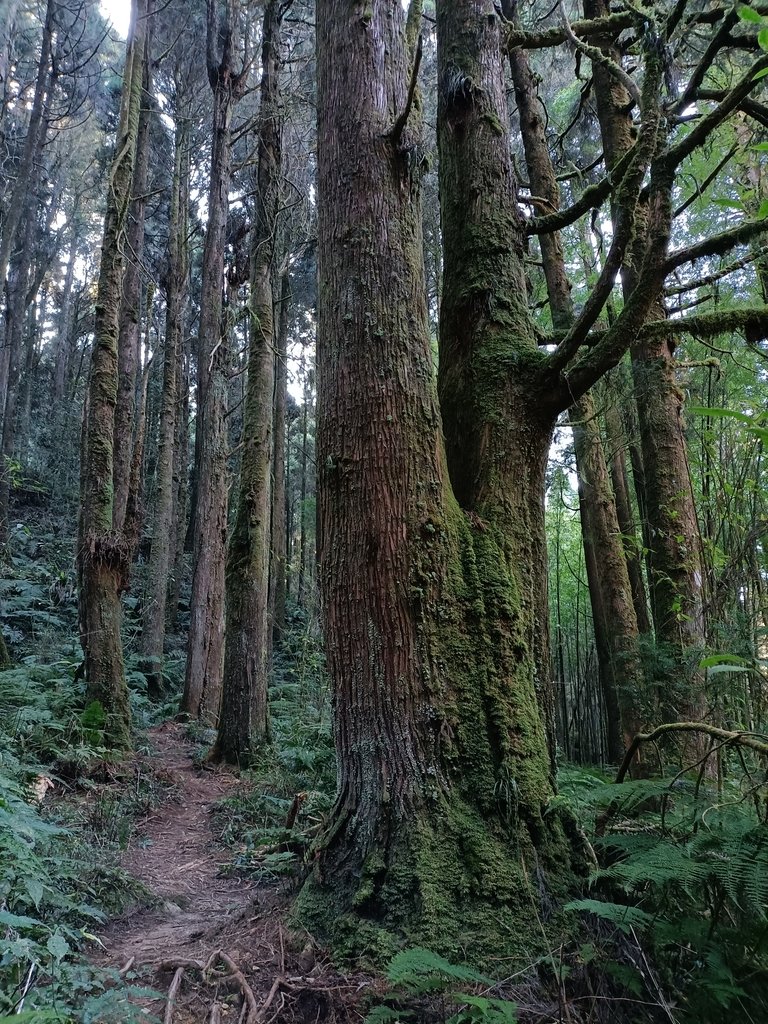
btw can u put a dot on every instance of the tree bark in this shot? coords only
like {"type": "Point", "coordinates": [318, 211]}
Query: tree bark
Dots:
{"type": "Point", "coordinates": [103, 552]}
{"type": "Point", "coordinates": [163, 541]}
{"type": "Point", "coordinates": [244, 721]}
{"type": "Point", "coordinates": [279, 517]}
{"type": "Point", "coordinates": [130, 307]}
{"type": "Point", "coordinates": [205, 651]}
{"type": "Point", "coordinates": [15, 311]}
{"type": "Point", "coordinates": [429, 608]}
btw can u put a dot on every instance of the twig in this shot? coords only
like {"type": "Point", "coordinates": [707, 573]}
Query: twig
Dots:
{"type": "Point", "coordinates": [259, 1016]}
{"type": "Point", "coordinates": [245, 988]}
{"type": "Point", "coordinates": [129, 964]}
{"type": "Point", "coordinates": [215, 1016]}
{"type": "Point", "coordinates": [399, 126]}
{"type": "Point", "coordinates": [173, 992]}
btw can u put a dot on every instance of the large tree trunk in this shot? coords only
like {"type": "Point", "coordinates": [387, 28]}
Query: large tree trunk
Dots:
{"type": "Point", "coordinates": [244, 721]}
{"type": "Point", "coordinates": [163, 540]}
{"type": "Point", "coordinates": [130, 309]}
{"type": "Point", "coordinates": [205, 651]}
{"type": "Point", "coordinates": [432, 611]}
{"type": "Point", "coordinates": [103, 553]}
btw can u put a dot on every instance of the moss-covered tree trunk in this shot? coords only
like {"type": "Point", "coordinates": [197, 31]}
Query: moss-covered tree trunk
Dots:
{"type": "Point", "coordinates": [615, 439]}
{"type": "Point", "coordinates": [103, 552]}
{"type": "Point", "coordinates": [163, 539]}
{"type": "Point", "coordinates": [205, 650]}
{"type": "Point", "coordinates": [277, 579]}
{"type": "Point", "coordinates": [13, 343]}
{"type": "Point", "coordinates": [244, 720]}
{"type": "Point", "coordinates": [433, 601]}
{"type": "Point", "coordinates": [130, 309]}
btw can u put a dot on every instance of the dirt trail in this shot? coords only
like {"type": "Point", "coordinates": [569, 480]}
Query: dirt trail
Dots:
{"type": "Point", "coordinates": [176, 858]}
{"type": "Point", "coordinates": [216, 945]}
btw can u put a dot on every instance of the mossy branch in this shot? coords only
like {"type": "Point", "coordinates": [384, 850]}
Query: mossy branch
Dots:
{"type": "Point", "coordinates": [716, 245]}
{"type": "Point", "coordinates": [399, 126]}
{"type": "Point", "coordinates": [742, 739]}
{"type": "Point", "coordinates": [751, 319]}
{"type": "Point", "coordinates": [600, 59]}
{"type": "Point", "coordinates": [595, 28]}
{"type": "Point", "coordinates": [590, 199]}
{"type": "Point", "coordinates": [730, 102]}
{"type": "Point", "coordinates": [718, 275]}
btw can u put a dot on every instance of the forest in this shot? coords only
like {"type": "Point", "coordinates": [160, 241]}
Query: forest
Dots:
{"type": "Point", "coordinates": [383, 511]}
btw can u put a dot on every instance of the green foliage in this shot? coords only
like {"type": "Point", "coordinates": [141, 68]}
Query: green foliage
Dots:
{"type": "Point", "coordinates": [299, 765]}
{"type": "Point", "coordinates": [419, 975]}
{"type": "Point", "coordinates": [685, 866]}
{"type": "Point", "coordinates": [59, 877]}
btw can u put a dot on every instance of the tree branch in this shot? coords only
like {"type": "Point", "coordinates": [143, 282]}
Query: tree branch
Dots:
{"type": "Point", "coordinates": [731, 268]}
{"type": "Point", "coordinates": [743, 739]}
{"type": "Point", "coordinates": [591, 198]}
{"type": "Point", "coordinates": [717, 245]}
{"type": "Point", "coordinates": [396, 132]}
{"type": "Point", "coordinates": [611, 25]}
{"type": "Point", "coordinates": [753, 320]}
{"type": "Point", "coordinates": [731, 101]}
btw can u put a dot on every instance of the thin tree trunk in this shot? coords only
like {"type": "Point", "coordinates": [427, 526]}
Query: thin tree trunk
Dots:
{"type": "Point", "coordinates": [14, 339]}
{"type": "Point", "coordinates": [103, 554]}
{"type": "Point", "coordinates": [163, 542]}
{"type": "Point", "coordinates": [676, 578]}
{"type": "Point", "coordinates": [279, 513]}
{"type": "Point", "coordinates": [181, 484]}
{"type": "Point", "coordinates": [626, 519]}
{"type": "Point", "coordinates": [613, 614]}
{"type": "Point", "coordinates": [244, 722]}
{"type": "Point", "coordinates": [33, 145]}
{"type": "Point", "coordinates": [205, 651]}
{"type": "Point", "coordinates": [65, 318]}
{"type": "Point", "coordinates": [301, 589]}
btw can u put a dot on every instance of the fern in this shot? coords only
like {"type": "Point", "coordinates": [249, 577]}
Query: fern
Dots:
{"type": "Point", "coordinates": [420, 970]}
{"type": "Point", "coordinates": [421, 974]}
{"type": "Point", "coordinates": [623, 917]}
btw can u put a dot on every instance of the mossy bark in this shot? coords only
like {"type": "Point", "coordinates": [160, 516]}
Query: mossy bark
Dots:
{"type": "Point", "coordinates": [103, 553]}
{"type": "Point", "coordinates": [163, 539]}
{"type": "Point", "coordinates": [433, 606]}
{"type": "Point", "coordinates": [244, 720]}
{"type": "Point", "coordinates": [128, 343]}
{"type": "Point", "coordinates": [279, 556]}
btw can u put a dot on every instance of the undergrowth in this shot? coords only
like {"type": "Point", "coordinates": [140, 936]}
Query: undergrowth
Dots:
{"type": "Point", "coordinates": [684, 876]}
{"type": "Point", "coordinates": [67, 806]}
{"type": "Point", "coordinates": [273, 818]}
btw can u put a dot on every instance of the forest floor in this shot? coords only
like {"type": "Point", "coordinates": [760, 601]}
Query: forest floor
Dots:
{"type": "Point", "coordinates": [215, 945]}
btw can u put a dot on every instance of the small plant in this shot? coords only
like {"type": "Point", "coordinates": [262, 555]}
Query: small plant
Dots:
{"type": "Point", "coordinates": [457, 993]}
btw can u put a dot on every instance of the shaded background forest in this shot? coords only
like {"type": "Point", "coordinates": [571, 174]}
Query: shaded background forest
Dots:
{"type": "Point", "coordinates": [691, 560]}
